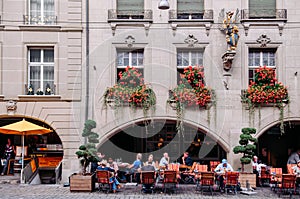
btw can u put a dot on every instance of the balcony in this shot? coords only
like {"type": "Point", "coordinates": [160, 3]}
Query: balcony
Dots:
{"type": "Point", "coordinates": [264, 14]}
{"type": "Point", "coordinates": [191, 15]}
{"type": "Point", "coordinates": [129, 15]}
{"type": "Point", "coordinates": [191, 18]}
{"type": "Point", "coordinates": [129, 18]}
{"type": "Point", "coordinates": [39, 20]}
{"type": "Point", "coordinates": [264, 17]}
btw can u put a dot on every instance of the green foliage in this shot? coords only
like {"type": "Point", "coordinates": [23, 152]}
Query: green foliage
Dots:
{"type": "Point", "coordinates": [87, 153]}
{"type": "Point", "coordinates": [246, 146]}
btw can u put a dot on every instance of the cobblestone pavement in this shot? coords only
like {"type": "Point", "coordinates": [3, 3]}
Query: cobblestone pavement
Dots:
{"type": "Point", "coordinates": [24, 191]}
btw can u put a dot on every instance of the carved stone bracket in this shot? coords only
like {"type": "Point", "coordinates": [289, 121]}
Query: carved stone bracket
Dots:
{"type": "Point", "coordinates": [227, 59]}
{"type": "Point", "coordinates": [246, 28]}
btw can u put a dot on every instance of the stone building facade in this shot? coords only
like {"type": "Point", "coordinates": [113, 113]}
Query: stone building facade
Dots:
{"type": "Point", "coordinates": [160, 43]}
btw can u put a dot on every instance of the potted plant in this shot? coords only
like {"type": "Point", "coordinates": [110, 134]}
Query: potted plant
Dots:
{"type": "Point", "coordinates": [131, 90]}
{"type": "Point", "coordinates": [190, 92]}
{"type": "Point", "coordinates": [247, 148]}
{"type": "Point", "coordinates": [87, 153]}
{"type": "Point", "coordinates": [264, 90]}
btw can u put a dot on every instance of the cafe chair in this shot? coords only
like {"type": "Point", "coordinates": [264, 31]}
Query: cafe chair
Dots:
{"type": "Point", "coordinates": [170, 181]}
{"type": "Point", "coordinates": [207, 181]}
{"type": "Point", "coordinates": [264, 178]}
{"type": "Point", "coordinates": [196, 170]}
{"type": "Point", "coordinates": [103, 180]}
{"type": "Point", "coordinates": [275, 178]}
{"type": "Point", "coordinates": [231, 182]}
{"type": "Point", "coordinates": [148, 181]}
{"type": "Point", "coordinates": [290, 168]}
{"type": "Point", "coordinates": [288, 185]}
{"type": "Point", "coordinates": [213, 165]}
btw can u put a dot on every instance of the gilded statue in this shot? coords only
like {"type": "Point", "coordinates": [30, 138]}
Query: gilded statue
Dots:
{"type": "Point", "coordinates": [231, 30]}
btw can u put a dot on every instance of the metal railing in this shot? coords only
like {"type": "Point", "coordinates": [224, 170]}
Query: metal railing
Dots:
{"type": "Point", "coordinates": [33, 91]}
{"type": "Point", "coordinates": [39, 20]}
{"type": "Point", "coordinates": [264, 14]}
{"type": "Point", "coordinates": [191, 14]}
{"type": "Point", "coordinates": [129, 14]}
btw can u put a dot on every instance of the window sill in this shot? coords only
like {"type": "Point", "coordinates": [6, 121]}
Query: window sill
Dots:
{"type": "Point", "coordinates": [39, 98]}
{"type": "Point", "coordinates": [40, 27]}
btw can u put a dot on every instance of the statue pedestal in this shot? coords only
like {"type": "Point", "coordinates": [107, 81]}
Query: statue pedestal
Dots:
{"type": "Point", "coordinates": [227, 59]}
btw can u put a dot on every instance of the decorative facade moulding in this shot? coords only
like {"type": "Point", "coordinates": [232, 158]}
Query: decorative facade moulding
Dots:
{"type": "Point", "coordinates": [191, 40]}
{"type": "Point", "coordinates": [263, 40]}
{"type": "Point", "coordinates": [227, 58]}
{"type": "Point", "coordinates": [129, 40]}
{"type": "Point", "coordinates": [11, 107]}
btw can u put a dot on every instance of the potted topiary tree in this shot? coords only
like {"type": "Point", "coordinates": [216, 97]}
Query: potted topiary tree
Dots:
{"type": "Point", "coordinates": [247, 148]}
{"type": "Point", "coordinates": [87, 153]}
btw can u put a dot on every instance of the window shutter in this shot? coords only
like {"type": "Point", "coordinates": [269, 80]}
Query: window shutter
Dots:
{"type": "Point", "coordinates": [190, 5]}
{"type": "Point", "coordinates": [130, 5]}
{"type": "Point", "coordinates": [262, 8]}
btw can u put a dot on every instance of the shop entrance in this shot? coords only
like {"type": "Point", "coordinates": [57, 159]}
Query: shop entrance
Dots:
{"type": "Point", "coordinates": [274, 148]}
{"type": "Point", "coordinates": [42, 153]}
{"type": "Point", "coordinates": [157, 137]}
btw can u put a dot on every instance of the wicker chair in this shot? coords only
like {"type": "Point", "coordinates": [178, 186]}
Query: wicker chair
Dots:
{"type": "Point", "coordinates": [207, 181]}
{"type": "Point", "coordinates": [231, 182]}
{"type": "Point", "coordinates": [288, 185]}
{"type": "Point", "coordinates": [170, 181]}
{"type": "Point", "coordinates": [148, 181]}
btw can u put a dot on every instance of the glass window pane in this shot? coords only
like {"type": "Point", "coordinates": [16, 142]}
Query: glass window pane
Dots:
{"type": "Point", "coordinates": [48, 73]}
{"type": "Point", "coordinates": [179, 59]}
{"type": "Point", "coordinates": [35, 55]}
{"type": "Point", "coordinates": [120, 59]}
{"type": "Point", "coordinates": [49, 55]}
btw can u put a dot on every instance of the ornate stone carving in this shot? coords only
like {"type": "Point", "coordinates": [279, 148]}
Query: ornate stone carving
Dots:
{"type": "Point", "coordinates": [11, 106]}
{"type": "Point", "coordinates": [227, 60]}
{"type": "Point", "coordinates": [263, 40]}
{"type": "Point", "coordinates": [191, 40]}
{"type": "Point", "coordinates": [130, 40]}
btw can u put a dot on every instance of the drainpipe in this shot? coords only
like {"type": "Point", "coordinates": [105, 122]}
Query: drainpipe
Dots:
{"type": "Point", "coordinates": [87, 55]}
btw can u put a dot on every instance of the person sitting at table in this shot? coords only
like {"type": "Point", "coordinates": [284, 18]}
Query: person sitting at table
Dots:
{"type": "Point", "coordinates": [220, 170]}
{"type": "Point", "coordinates": [9, 153]}
{"type": "Point", "coordinates": [95, 164]}
{"type": "Point", "coordinates": [150, 161]}
{"type": "Point", "coordinates": [104, 166]}
{"type": "Point", "coordinates": [186, 159]}
{"type": "Point", "coordinates": [164, 161]}
{"type": "Point", "coordinates": [296, 171]}
{"type": "Point", "coordinates": [135, 167]}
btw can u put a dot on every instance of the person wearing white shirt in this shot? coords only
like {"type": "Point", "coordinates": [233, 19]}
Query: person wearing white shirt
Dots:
{"type": "Point", "coordinates": [221, 169]}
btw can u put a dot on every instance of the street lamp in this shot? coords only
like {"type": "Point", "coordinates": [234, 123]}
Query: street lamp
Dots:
{"type": "Point", "coordinates": [163, 5]}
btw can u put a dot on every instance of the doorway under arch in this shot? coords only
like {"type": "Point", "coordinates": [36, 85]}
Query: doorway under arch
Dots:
{"type": "Point", "coordinates": [156, 137]}
{"type": "Point", "coordinates": [274, 148]}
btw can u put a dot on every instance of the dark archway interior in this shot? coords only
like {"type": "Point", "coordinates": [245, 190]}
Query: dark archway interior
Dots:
{"type": "Point", "coordinates": [37, 144]}
{"type": "Point", "coordinates": [274, 148]}
{"type": "Point", "coordinates": [157, 137]}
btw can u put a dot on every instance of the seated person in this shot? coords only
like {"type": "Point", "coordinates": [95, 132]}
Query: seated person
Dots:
{"type": "Point", "coordinates": [150, 161]}
{"type": "Point", "coordinates": [103, 166]}
{"type": "Point", "coordinates": [135, 167]}
{"type": "Point", "coordinates": [296, 171]}
{"type": "Point", "coordinates": [220, 170]}
{"type": "Point", "coordinates": [164, 161]}
{"type": "Point", "coordinates": [186, 159]}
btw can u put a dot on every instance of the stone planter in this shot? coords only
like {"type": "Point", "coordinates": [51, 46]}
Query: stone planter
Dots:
{"type": "Point", "coordinates": [79, 182]}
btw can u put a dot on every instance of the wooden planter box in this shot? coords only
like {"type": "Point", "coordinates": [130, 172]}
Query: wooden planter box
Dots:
{"type": "Point", "coordinates": [80, 182]}
{"type": "Point", "coordinates": [251, 177]}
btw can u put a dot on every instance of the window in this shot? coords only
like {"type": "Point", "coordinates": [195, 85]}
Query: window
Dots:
{"type": "Point", "coordinates": [132, 9]}
{"type": "Point", "coordinates": [41, 69]}
{"type": "Point", "coordinates": [187, 58]}
{"type": "Point", "coordinates": [133, 58]}
{"type": "Point", "coordinates": [262, 8]}
{"type": "Point", "coordinates": [260, 57]}
{"type": "Point", "coordinates": [190, 9]}
{"type": "Point", "coordinates": [41, 12]}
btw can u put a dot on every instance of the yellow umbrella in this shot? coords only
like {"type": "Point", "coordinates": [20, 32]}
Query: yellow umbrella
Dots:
{"type": "Point", "coordinates": [23, 128]}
